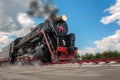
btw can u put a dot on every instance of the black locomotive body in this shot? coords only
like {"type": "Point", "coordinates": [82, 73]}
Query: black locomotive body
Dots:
{"type": "Point", "coordinates": [47, 42]}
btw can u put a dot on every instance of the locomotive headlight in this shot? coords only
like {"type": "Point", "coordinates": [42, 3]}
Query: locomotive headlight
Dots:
{"type": "Point", "coordinates": [61, 18]}
{"type": "Point", "coordinates": [64, 17]}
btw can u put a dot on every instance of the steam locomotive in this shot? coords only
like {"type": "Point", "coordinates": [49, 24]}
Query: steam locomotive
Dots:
{"type": "Point", "coordinates": [47, 42]}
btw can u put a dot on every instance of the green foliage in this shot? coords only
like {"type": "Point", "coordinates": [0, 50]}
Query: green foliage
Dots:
{"type": "Point", "coordinates": [103, 55]}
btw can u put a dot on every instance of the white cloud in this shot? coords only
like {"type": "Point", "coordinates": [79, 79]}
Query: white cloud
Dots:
{"type": "Point", "coordinates": [114, 14]}
{"type": "Point", "coordinates": [13, 20]}
{"type": "Point", "coordinates": [109, 43]}
{"type": "Point", "coordinates": [4, 39]}
{"type": "Point", "coordinates": [26, 22]}
{"type": "Point", "coordinates": [87, 50]}
{"type": "Point", "coordinates": [9, 10]}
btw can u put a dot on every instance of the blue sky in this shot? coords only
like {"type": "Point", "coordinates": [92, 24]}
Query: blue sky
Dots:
{"type": "Point", "coordinates": [84, 20]}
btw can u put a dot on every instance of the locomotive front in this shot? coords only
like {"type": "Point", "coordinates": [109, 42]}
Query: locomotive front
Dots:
{"type": "Point", "coordinates": [60, 45]}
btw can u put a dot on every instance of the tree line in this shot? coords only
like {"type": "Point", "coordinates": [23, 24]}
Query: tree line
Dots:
{"type": "Point", "coordinates": [102, 55]}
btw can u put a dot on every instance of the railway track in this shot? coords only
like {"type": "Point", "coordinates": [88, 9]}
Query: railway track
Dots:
{"type": "Point", "coordinates": [29, 61]}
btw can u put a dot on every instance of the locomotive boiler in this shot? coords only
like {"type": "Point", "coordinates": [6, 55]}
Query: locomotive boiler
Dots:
{"type": "Point", "coordinates": [47, 42]}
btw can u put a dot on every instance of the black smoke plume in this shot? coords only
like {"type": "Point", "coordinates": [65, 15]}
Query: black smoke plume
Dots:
{"type": "Point", "coordinates": [42, 8]}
